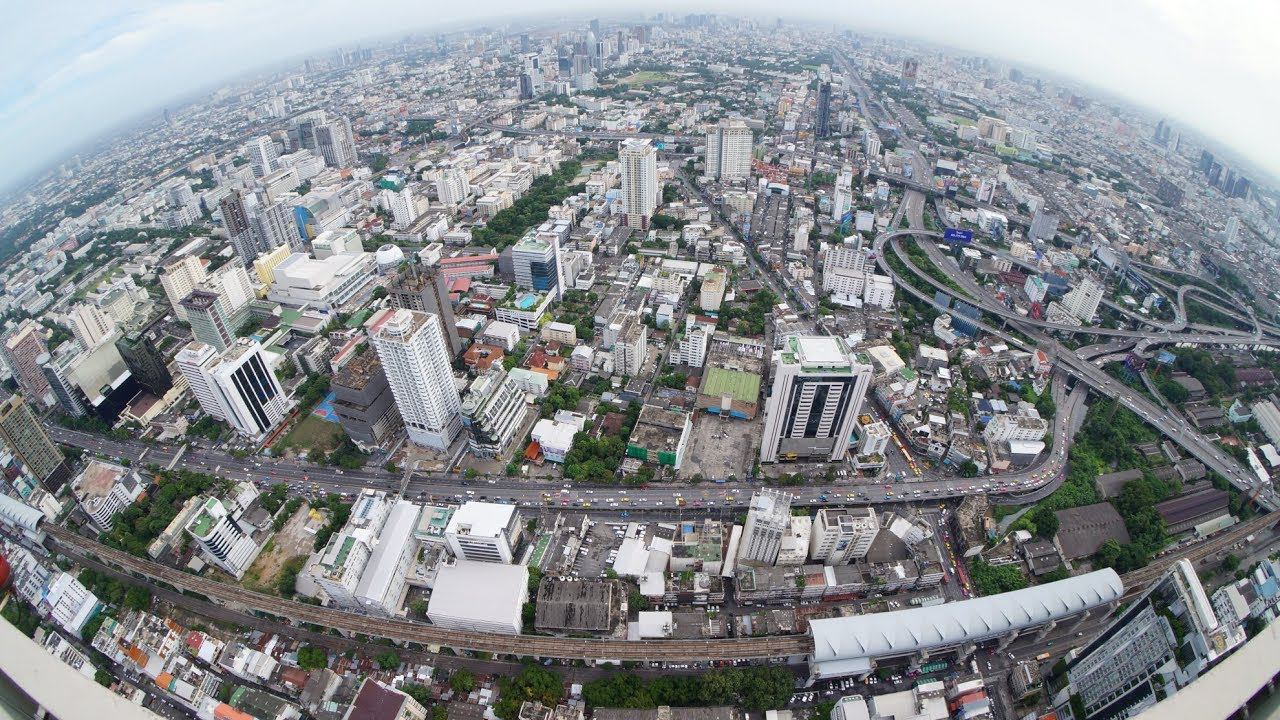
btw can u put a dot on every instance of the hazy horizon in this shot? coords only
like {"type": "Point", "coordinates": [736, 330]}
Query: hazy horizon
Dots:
{"type": "Point", "coordinates": [1200, 66]}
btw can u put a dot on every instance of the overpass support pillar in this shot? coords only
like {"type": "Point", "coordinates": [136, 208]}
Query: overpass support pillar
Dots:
{"type": "Point", "coordinates": [1048, 628]}
{"type": "Point", "coordinates": [1007, 639]}
{"type": "Point", "coordinates": [919, 659]}
{"type": "Point", "coordinates": [1080, 620]}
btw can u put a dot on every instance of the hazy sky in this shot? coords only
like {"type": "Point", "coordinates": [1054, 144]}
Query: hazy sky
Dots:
{"type": "Point", "coordinates": [70, 69]}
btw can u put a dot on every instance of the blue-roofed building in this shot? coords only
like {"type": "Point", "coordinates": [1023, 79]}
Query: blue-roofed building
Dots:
{"type": "Point", "coordinates": [964, 313]}
{"type": "Point", "coordinates": [1164, 357]}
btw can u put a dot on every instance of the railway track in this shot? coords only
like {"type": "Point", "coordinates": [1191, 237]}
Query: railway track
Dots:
{"type": "Point", "coordinates": [539, 645]}
{"type": "Point", "coordinates": [1136, 581]}
{"type": "Point", "coordinates": [424, 634]}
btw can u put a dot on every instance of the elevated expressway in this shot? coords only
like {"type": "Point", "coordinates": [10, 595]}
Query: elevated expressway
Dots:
{"type": "Point", "coordinates": [1085, 370]}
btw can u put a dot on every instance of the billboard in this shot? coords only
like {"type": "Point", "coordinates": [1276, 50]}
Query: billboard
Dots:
{"type": "Point", "coordinates": [957, 235]}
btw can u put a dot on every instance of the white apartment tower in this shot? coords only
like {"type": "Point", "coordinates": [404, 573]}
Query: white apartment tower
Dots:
{"type": "Point", "coordinates": [90, 325]}
{"type": "Point", "coordinates": [843, 200]}
{"type": "Point", "coordinates": [415, 358]}
{"type": "Point", "coordinates": [729, 145]}
{"type": "Point", "coordinates": [401, 206]}
{"type": "Point", "coordinates": [818, 388]}
{"type": "Point", "coordinates": [262, 156]}
{"type": "Point", "coordinates": [768, 519]}
{"type": "Point", "coordinates": [452, 187]}
{"type": "Point", "coordinates": [1083, 300]}
{"type": "Point", "coordinates": [179, 278]}
{"type": "Point", "coordinates": [640, 191]}
{"type": "Point", "coordinates": [841, 536]}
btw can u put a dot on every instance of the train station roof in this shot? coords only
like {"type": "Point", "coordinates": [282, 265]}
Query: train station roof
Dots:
{"type": "Point", "coordinates": [845, 645]}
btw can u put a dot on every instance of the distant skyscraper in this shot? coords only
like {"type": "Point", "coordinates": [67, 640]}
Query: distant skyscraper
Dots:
{"type": "Point", "coordinates": [729, 145]}
{"type": "Point", "coordinates": [235, 218]}
{"type": "Point", "coordinates": [401, 206]}
{"type": "Point", "coordinates": [336, 143]}
{"type": "Point", "coordinates": [262, 156]}
{"type": "Point", "coordinates": [640, 191]}
{"type": "Point", "coordinates": [21, 432]}
{"type": "Point", "coordinates": [209, 322]}
{"type": "Point", "coordinates": [416, 360]}
{"type": "Point", "coordinates": [422, 288]}
{"type": "Point", "coordinates": [179, 278]}
{"type": "Point", "coordinates": [452, 187]}
{"type": "Point", "coordinates": [822, 124]}
{"type": "Point", "coordinates": [274, 226]}
{"type": "Point", "coordinates": [768, 519]}
{"type": "Point", "coordinates": [536, 262]}
{"type": "Point", "coordinates": [842, 202]}
{"type": "Point", "coordinates": [90, 325]}
{"type": "Point", "coordinates": [24, 352]}
{"type": "Point", "coordinates": [818, 388]}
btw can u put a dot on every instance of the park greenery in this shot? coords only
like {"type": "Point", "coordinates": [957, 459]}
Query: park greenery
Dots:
{"type": "Point", "coordinates": [749, 688]}
{"type": "Point", "coordinates": [508, 225]}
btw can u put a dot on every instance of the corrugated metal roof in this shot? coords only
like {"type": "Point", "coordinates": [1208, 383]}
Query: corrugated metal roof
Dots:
{"type": "Point", "coordinates": [842, 642]}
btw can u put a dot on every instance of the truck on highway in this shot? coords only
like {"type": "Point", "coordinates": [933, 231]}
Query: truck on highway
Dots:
{"type": "Point", "coordinates": [1043, 656]}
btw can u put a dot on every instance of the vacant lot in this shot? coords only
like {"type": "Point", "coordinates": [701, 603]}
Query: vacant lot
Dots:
{"type": "Point", "coordinates": [719, 448]}
{"type": "Point", "coordinates": [292, 541]}
{"type": "Point", "coordinates": [312, 435]}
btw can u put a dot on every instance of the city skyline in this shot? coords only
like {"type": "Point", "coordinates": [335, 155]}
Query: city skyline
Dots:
{"type": "Point", "coordinates": [119, 61]}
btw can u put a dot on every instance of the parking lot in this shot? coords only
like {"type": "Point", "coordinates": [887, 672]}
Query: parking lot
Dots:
{"type": "Point", "coordinates": [719, 448]}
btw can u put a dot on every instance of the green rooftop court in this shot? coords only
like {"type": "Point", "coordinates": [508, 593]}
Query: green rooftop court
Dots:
{"type": "Point", "coordinates": [741, 386]}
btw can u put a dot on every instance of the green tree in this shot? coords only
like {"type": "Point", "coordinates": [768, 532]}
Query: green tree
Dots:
{"type": "Point", "coordinates": [462, 681]}
{"type": "Point", "coordinates": [388, 660]}
{"type": "Point", "coordinates": [103, 678]}
{"type": "Point", "coordinates": [311, 657]}
{"type": "Point", "coordinates": [137, 598]}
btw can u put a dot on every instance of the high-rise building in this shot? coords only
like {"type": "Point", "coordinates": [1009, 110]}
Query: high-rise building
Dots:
{"type": "Point", "coordinates": [422, 288]}
{"type": "Point", "coordinates": [222, 538]}
{"type": "Point", "coordinates": [236, 386]}
{"type": "Point", "coordinates": [484, 532]}
{"type": "Point", "coordinates": [103, 489]}
{"type": "Point", "coordinates": [1162, 641]}
{"type": "Point", "coordinates": [1083, 300]}
{"type": "Point", "coordinates": [631, 345]}
{"type": "Point", "coordinates": [90, 325]}
{"type": "Point", "coordinates": [1044, 225]}
{"type": "Point", "coordinates": [452, 187]}
{"type": "Point", "coordinates": [179, 278]}
{"type": "Point", "coordinates": [536, 262]}
{"type": "Point", "coordinates": [145, 361]}
{"type": "Point", "coordinates": [822, 123]}
{"type": "Point", "coordinates": [262, 156]}
{"type": "Point", "coordinates": [25, 352]}
{"type": "Point", "coordinates": [336, 143]}
{"type": "Point", "coordinates": [20, 431]}
{"type": "Point", "coordinates": [274, 227]}
{"type": "Point", "coordinates": [1231, 234]}
{"type": "Point", "coordinates": [768, 519]}
{"type": "Point", "coordinates": [640, 191]}
{"type": "Point", "coordinates": [235, 219]}
{"type": "Point", "coordinates": [416, 360]}
{"type": "Point", "coordinates": [729, 145]}
{"type": "Point", "coordinates": [209, 321]}
{"type": "Point", "coordinates": [401, 206]}
{"type": "Point", "coordinates": [1169, 192]}
{"type": "Point", "coordinates": [841, 536]}
{"type": "Point", "coordinates": [363, 402]}
{"type": "Point", "coordinates": [842, 202]}
{"type": "Point", "coordinates": [812, 407]}
{"type": "Point", "coordinates": [492, 411]}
